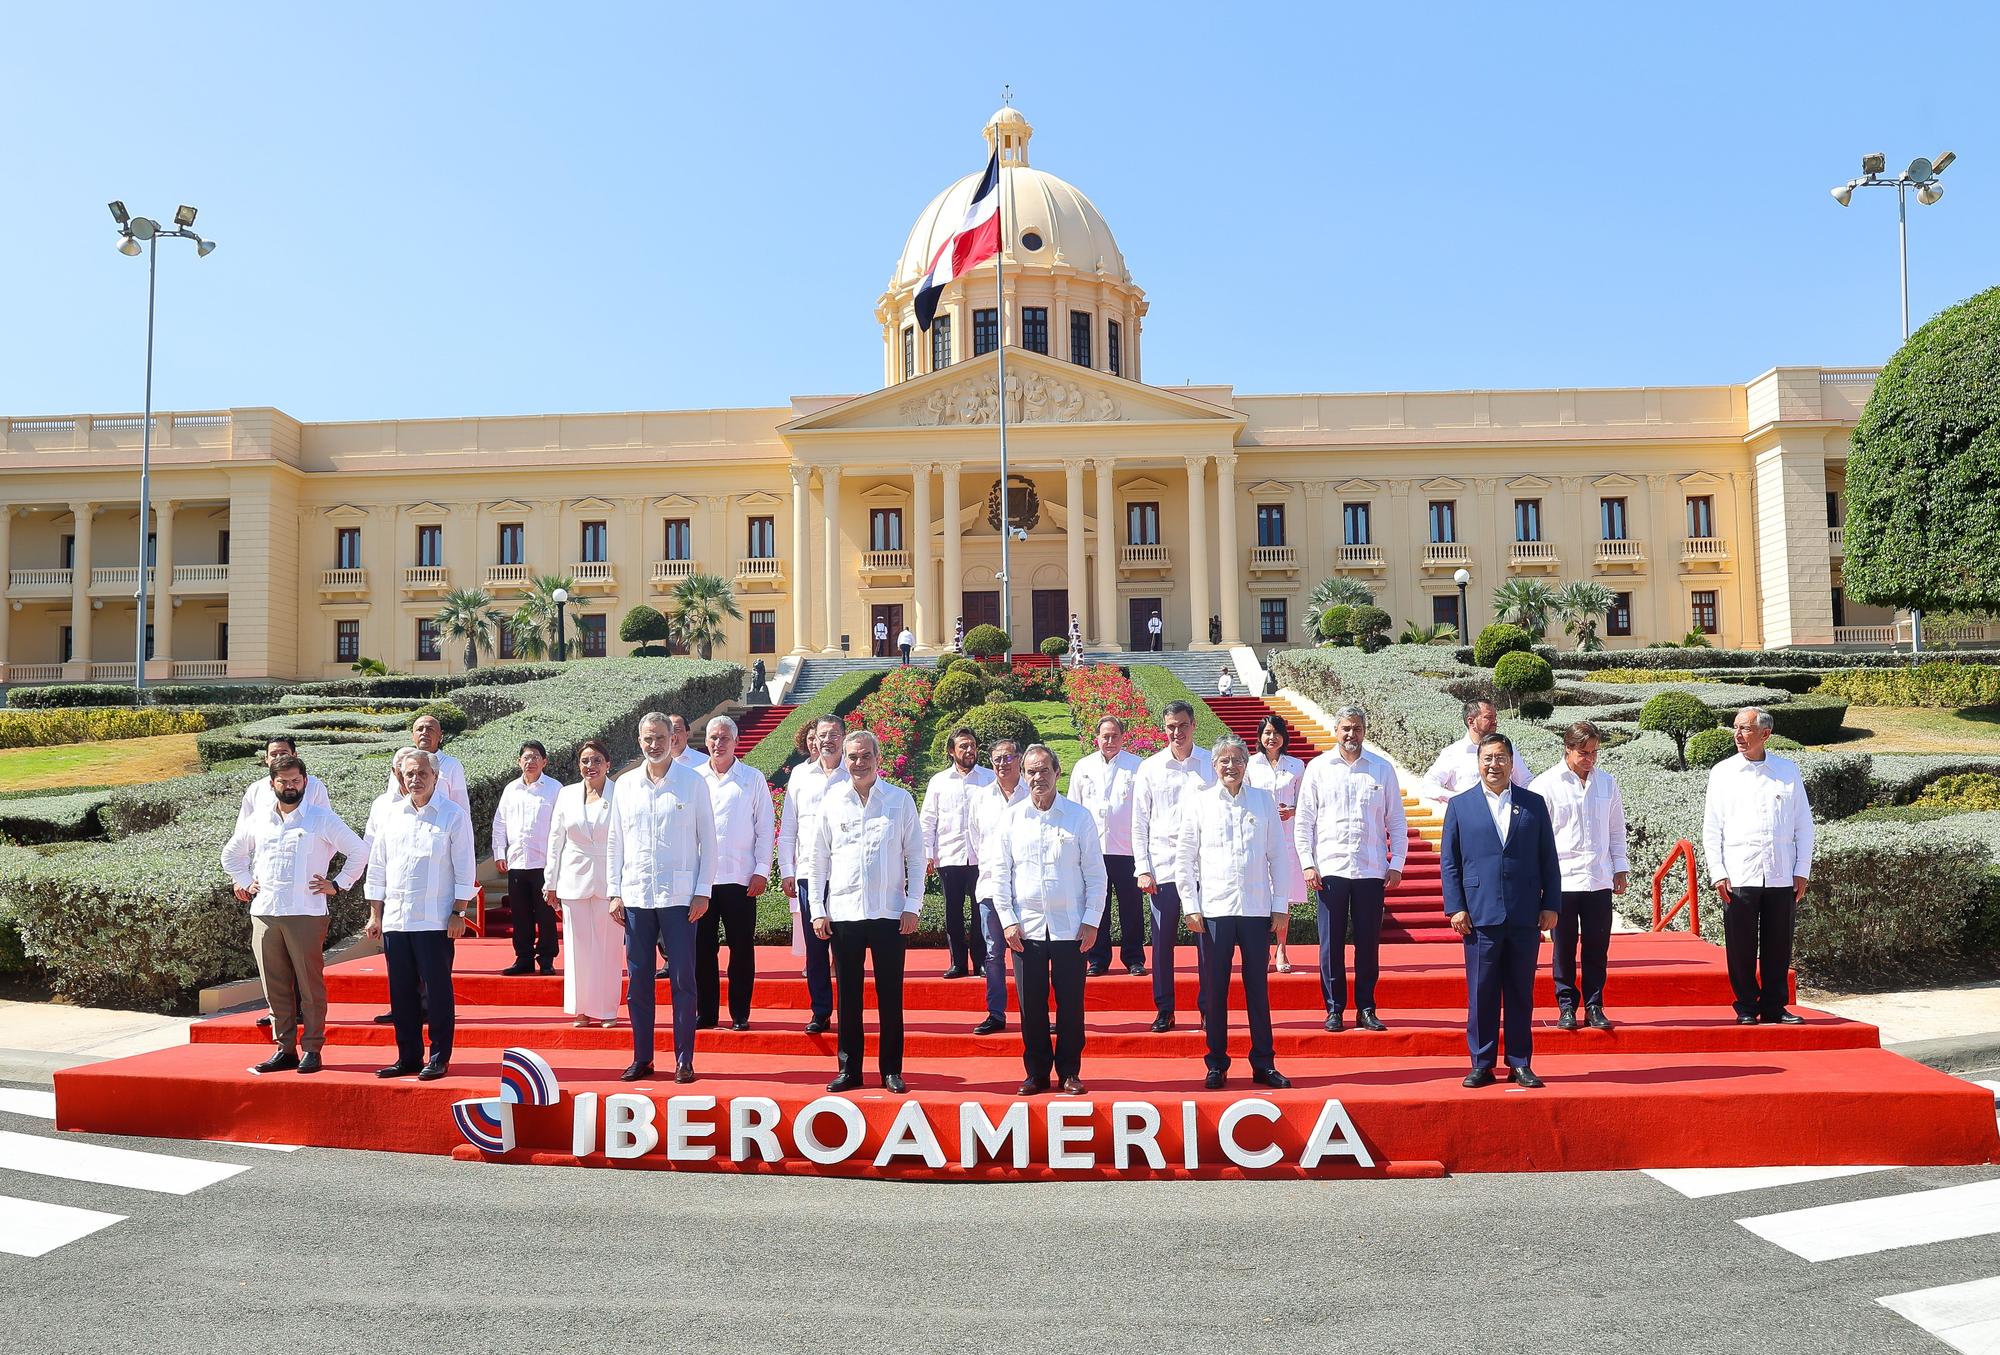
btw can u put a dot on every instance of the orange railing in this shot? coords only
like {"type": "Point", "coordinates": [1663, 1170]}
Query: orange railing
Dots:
{"type": "Point", "coordinates": [1691, 900]}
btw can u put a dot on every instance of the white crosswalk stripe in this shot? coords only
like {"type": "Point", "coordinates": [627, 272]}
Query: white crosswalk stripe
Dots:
{"type": "Point", "coordinates": [110, 1166]}
{"type": "Point", "coordinates": [31, 1228]}
{"type": "Point", "coordinates": [1965, 1317]}
{"type": "Point", "coordinates": [1700, 1183]}
{"type": "Point", "coordinates": [1859, 1227]}
{"type": "Point", "coordinates": [20, 1101]}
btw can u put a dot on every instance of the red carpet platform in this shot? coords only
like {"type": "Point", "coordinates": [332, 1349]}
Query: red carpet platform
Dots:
{"type": "Point", "coordinates": [1678, 1083]}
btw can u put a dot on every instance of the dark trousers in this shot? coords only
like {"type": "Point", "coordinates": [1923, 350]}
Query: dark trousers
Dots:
{"type": "Point", "coordinates": [1227, 936]}
{"type": "Point", "coordinates": [1038, 965]}
{"type": "Point", "coordinates": [1339, 900]}
{"type": "Point", "coordinates": [730, 909]}
{"type": "Point", "coordinates": [994, 949]}
{"type": "Point", "coordinates": [1757, 936]}
{"type": "Point", "coordinates": [1157, 642]}
{"type": "Point", "coordinates": [420, 992]}
{"type": "Point", "coordinates": [535, 938]}
{"type": "Point", "coordinates": [906, 654]}
{"type": "Point", "coordinates": [819, 959]}
{"type": "Point", "coordinates": [1587, 911]}
{"type": "Point", "coordinates": [671, 932]}
{"type": "Point", "coordinates": [881, 643]}
{"type": "Point", "coordinates": [1131, 914]}
{"type": "Point", "coordinates": [960, 883]}
{"type": "Point", "coordinates": [1500, 976]}
{"type": "Point", "coordinates": [1166, 911]}
{"type": "Point", "coordinates": [879, 943]}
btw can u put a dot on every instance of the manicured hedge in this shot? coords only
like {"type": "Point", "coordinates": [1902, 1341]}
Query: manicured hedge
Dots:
{"type": "Point", "coordinates": [1809, 719]}
{"type": "Point", "coordinates": [52, 816]}
{"type": "Point", "coordinates": [1899, 778]}
{"type": "Point", "coordinates": [775, 754]}
{"type": "Point", "coordinates": [167, 694]}
{"type": "Point", "coordinates": [1950, 686]}
{"type": "Point", "coordinates": [92, 724]}
{"type": "Point", "coordinates": [1789, 659]}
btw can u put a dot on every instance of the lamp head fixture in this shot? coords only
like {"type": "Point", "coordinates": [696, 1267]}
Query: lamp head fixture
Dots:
{"type": "Point", "coordinates": [561, 596]}
{"type": "Point", "coordinates": [1845, 193]}
{"type": "Point", "coordinates": [119, 214]}
{"type": "Point", "coordinates": [184, 216]}
{"type": "Point", "coordinates": [1462, 577]}
{"type": "Point", "coordinates": [128, 246]}
{"type": "Point", "coordinates": [144, 227]}
{"type": "Point", "coordinates": [1939, 165]}
{"type": "Point", "coordinates": [1874, 162]}
{"type": "Point", "coordinates": [1930, 192]}
{"type": "Point", "coordinates": [203, 248]}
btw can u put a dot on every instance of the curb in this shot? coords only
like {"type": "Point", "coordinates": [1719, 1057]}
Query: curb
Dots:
{"type": "Point", "coordinates": [1960, 1054]}
{"type": "Point", "coordinates": [38, 1066]}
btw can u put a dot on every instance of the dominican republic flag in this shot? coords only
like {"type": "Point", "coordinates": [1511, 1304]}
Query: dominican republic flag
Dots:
{"type": "Point", "coordinates": [978, 239]}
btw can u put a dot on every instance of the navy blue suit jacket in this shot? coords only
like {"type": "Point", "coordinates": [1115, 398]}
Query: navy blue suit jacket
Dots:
{"type": "Point", "coordinates": [1500, 886]}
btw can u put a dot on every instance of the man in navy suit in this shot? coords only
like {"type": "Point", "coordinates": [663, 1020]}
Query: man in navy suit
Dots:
{"type": "Point", "coordinates": [1502, 889]}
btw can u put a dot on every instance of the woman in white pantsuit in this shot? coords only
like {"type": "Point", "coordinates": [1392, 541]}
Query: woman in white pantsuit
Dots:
{"type": "Point", "coordinates": [579, 846]}
{"type": "Point", "coordinates": [1277, 771]}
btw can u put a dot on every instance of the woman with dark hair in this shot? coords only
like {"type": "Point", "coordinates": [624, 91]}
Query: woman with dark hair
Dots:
{"type": "Point", "coordinates": [1277, 771]}
{"type": "Point", "coordinates": [578, 875]}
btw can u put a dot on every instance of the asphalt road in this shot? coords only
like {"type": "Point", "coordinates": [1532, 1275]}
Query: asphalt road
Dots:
{"type": "Point", "coordinates": [328, 1251]}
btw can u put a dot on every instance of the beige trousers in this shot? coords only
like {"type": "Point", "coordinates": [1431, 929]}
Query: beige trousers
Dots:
{"type": "Point", "coordinates": [291, 962]}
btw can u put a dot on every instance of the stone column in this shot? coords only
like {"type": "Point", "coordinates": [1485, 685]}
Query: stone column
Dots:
{"type": "Point", "coordinates": [79, 594]}
{"type": "Point", "coordinates": [1106, 615]}
{"type": "Point", "coordinates": [917, 536]}
{"type": "Point", "coordinates": [161, 591]}
{"type": "Point", "coordinates": [829, 480]}
{"type": "Point", "coordinates": [951, 598]}
{"type": "Point", "coordinates": [1197, 551]}
{"type": "Point", "coordinates": [1232, 560]}
{"type": "Point", "coordinates": [801, 549]}
{"type": "Point", "coordinates": [1667, 515]}
{"type": "Point", "coordinates": [6, 564]}
{"type": "Point", "coordinates": [1079, 596]}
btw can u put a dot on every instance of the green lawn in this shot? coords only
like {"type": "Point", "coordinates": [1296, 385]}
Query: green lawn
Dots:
{"type": "Point", "coordinates": [1886, 729]}
{"type": "Point", "coordinates": [117, 762]}
{"type": "Point", "coordinates": [1055, 727]}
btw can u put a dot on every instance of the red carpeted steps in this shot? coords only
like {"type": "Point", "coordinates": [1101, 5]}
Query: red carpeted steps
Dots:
{"type": "Point", "coordinates": [754, 722]}
{"type": "Point", "coordinates": [1243, 714]}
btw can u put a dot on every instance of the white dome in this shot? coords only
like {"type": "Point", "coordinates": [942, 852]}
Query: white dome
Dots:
{"type": "Point", "coordinates": [1070, 230]}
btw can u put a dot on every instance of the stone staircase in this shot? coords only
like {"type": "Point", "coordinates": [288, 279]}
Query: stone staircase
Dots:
{"type": "Point", "coordinates": [1199, 669]}
{"type": "Point", "coordinates": [816, 673]}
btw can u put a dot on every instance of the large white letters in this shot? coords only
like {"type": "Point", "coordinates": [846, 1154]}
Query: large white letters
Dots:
{"type": "Point", "coordinates": [910, 1136]}
{"type": "Point", "coordinates": [1069, 1123]}
{"type": "Point", "coordinates": [750, 1120]}
{"type": "Point", "coordinates": [1236, 1114]}
{"type": "Point", "coordinates": [805, 1135]}
{"type": "Point", "coordinates": [1136, 1124]}
{"type": "Point", "coordinates": [681, 1135]}
{"type": "Point", "coordinates": [1322, 1143]}
{"type": "Point", "coordinates": [628, 1125]}
{"type": "Point", "coordinates": [977, 1133]}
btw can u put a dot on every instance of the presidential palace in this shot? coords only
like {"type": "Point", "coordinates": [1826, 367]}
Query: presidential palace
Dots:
{"type": "Point", "coordinates": [287, 549]}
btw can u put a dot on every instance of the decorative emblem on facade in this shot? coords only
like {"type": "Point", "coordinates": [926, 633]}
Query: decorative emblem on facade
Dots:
{"type": "Point", "coordinates": [1025, 505]}
{"type": "Point", "coordinates": [1031, 398]}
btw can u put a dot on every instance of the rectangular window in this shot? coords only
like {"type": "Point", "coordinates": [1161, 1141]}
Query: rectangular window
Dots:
{"type": "Point", "coordinates": [1270, 524]}
{"type": "Point", "coordinates": [152, 550]}
{"type": "Point", "coordinates": [885, 529]}
{"type": "Point", "coordinates": [1271, 620]}
{"type": "Point", "coordinates": [679, 544]}
{"type": "Point", "coordinates": [940, 343]}
{"type": "Point", "coordinates": [1444, 610]}
{"type": "Point", "coordinates": [346, 641]}
{"type": "Point", "coordinates": [909, 351]}
{"type": "Point", "coordinates": [222, 547]}
{"type": "Point", "coordinates": [1444, 521]}
{"type": "Point", "coordinates": [1611, 519]}
{"type": "Point", "coordinates": [590, 633]}
{"type": "Point", "coordinates": [1833, 508]}
{"type": "Point", "coordinates": [1113, 359]}
{"type": "Point", "coordinates": [1079, 338]}
{"type": "Point", "coordinates": [1354, 524]}
{"type": "Point", "coordinates": [1618, 621]}
{"type": "Point", "coordinates": [430, 545]}
{"type": "Point", "coordinates": [1701, 515]}
{"type": "Point", "coordinates": [763, 632]}
{"type": "Point", "coordinates": [513, 544]}
{"type": "Point", "coordinates": [1704, 612]}
{"type": "Point", "coordinates": [985, 330]}
{"type": "Point", "coordinates": [1527, 519]}
{"type": "Point", "coordinates": [347, 548]}
{"type": "Point", "coordinates": [68, 552]}
{"type": "Point", "coordinates": [763, 539]}
{"type": "Point", "coordinates": [1839, 607]}
{"type": "Point", "coordinates": [68, 648]}
{"type": "Point", "coordinates": [1035, 328]}
{"type": "Point", "coordinates": [222, 640]}
{"type": "Point", "coordinates": [596, 543]}
{"type": "Point", "coordinates": [149, 640]}
{"type": "Point", "coordinates": [1142, 524]}
{"type": "Point", "coordinates": [427, 639]}
{"type": "Point", "coordinates": [504, 642]}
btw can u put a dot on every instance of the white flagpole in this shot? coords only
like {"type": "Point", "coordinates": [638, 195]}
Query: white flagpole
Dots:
{"type": "Point", "coordinates": [1000, 334]}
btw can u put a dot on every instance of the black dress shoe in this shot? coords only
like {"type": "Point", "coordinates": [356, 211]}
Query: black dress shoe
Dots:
{"type": "Point", "coordinates": [1215, 1080]}
{"type": "Point", "coordinates": [279, 1062]}
{"type": "Point", "coordinates": [739, 1025]}
{"type": "Point", "coordinates": [1566, 1019]}
{"type": "Point", "coordinates": [1367, 1020]}
{"type": "Point", "coordinates": [386, 1019]}
{"type": "Point", "coordinates": [1789, 1019]}
{"type": "Point", "coordinates": [1746, 1020]}
{"type": "Point", "coordinates": [400, 1070]}
{"type": "Point", "coordinates": [547, 967]}
{"type": "Point", "coordinates": [955, 972]}
{"type": "Point", "coordinates": [1270, 1077]}
{"type": "Point", "coordinates": [710, 1024]}
{"type": "Point", "coordinates": [1138, 970]}
{"type": "Point", "coordinates": [1334, 1023]}
{"type": "Point", "coordinates": [684, 1072]}
{"type": "Point", "coordinates": [638, 1068]}
{"type": "Point", "coordinates": [978, 971]}
{"type": "Point", "coordinates": [663, 973]}
{"type": "Point", "coordinates": [1031, 1087]}
{"type": "Point", "coordinates": [893, 1082]}
{"type": "Point", "coordinates": [846, 1082]}
{"type": "Point", "coordinates": [989, 1025]}
{"type": "Point", "coordinates": [438, 1067]}
{"type": "Point", "coordinates": [518, 968]}
{"type": "Point", "coordinates": [1478, 1077]}
{"type": "Point", "coordinates": [1162, 1022]}
{"type": "Point", "coordinates": [264, 1021]}
{"type": "Point", "coordinates": [309, 1062]}
{"type": "Point", "coordinates": [1594, 1018]}
{"type": "Point", "coordinates": [1072, 1086]}
{"type": "Point", "coordinates": [1524, 1077]}
{"type": "Point", "coordinates": [1093, 970]}
{"type": "Point", "coordinates": [816, 1026]}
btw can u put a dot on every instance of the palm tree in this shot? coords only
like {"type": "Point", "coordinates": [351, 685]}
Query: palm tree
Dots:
{"type": "Point", "coordinates": [534, 621]}
{"type": "Point", "coordinates": [1528, 603]}
{"type": "Point", "coordinates": [700, 602]}
{"type": "Point", "coordinates": [368, 667]}
{"type": "Point", "coordinates": [468, 617]}
{"type": "Point", "coordinates": [1338, 591]}
{"type": "Point", "coordinates": [1581, 605]}
{"type": "Point", "coordinates": [1435, 634]}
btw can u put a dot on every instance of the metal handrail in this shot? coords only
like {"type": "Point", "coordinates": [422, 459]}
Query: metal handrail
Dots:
{"type": "Point", "coordinates": [1691, 900]}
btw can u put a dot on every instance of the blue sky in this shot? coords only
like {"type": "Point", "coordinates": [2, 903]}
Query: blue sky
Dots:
{"type": "Point", "coordinates": [436, 210]}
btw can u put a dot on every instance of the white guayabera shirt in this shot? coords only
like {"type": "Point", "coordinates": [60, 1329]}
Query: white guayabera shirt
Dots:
{"type": "Point", "coordinates": [1757, 829]}
{"type": "Point", "coordinates": [1163, 782]}
{"type": "Point", "coordinates": [1048, 874]}
{"type": "Point", "coordinates": [421, 862]}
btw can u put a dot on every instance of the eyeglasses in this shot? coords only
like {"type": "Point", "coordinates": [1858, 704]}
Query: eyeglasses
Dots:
{"type": "Point", "coordinates": [1006, 757]}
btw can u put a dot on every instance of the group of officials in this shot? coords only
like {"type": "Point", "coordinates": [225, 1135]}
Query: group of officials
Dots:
{"type": "Point", "coordinates": [668, 862]}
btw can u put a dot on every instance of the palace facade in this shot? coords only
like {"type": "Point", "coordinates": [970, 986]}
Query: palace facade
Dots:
{"type": "Point", "coordinates": [287, 549]}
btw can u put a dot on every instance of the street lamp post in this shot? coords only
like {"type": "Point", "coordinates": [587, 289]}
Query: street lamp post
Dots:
{"type": "Point", "coordinates": [1462, 578]}
{"type": "Point", "coordinates": [1921, 176]}
{"type": "Point", "coordinates": [133, 233]}
{"type": "Point", "coordinates": [561, 595]}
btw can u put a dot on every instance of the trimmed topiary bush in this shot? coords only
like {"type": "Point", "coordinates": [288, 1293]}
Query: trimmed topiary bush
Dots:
{"type": "Point", "coordinates": [1055, 646]}
{"type": "Point", "coordinates": [985, 641]}
{"type": "Point", "coordinates": [1520, 674]}
{"type": "Point", "coordinates": [1336, 623]}
{"type": "Point", "coordinates": [643, 625]}
{"type": "Point", "coordinates": [1498, 640]}
{"type": "Point", "coordinates": [1537, 710]}
{"type": "Point", "coordinates": [989, 722]}
{"type": "Point", "coordinates": [965, 663]}
{"type": "Point", "coordinates": [1677, 715]}
{"type": "Point", "coordinates": [1709, 747]}
{"type": "Point", "coordinates": [1370, 626]}
{"type": "Point", "coordinates": [958, 689]}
